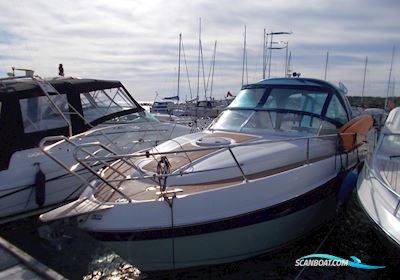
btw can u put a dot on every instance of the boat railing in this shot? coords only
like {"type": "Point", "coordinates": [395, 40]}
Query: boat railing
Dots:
{"type": "Point", "coordinates": [98, 162]}
{"type": "Point", "coordinates": [380, 178]}
{"type": "Point", "coordinates": [111, 148]}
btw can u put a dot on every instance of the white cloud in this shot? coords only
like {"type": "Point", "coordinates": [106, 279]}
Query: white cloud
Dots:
{"type": "Point", "coordinates": [137, 41]}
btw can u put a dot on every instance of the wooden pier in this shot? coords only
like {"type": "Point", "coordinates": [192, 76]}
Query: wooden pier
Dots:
{"type": "Point", "coordinates": [16, 264]}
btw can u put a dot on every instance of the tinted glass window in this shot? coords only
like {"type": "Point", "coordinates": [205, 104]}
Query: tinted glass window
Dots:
{"type": "Point", "coordinates": [336, 111]}
{"type": "Point", "coordinates": [39, 113]}
{"type": "Point", "coordinates": [97, 104]}
{"type": "Point", "coordinates": [247, 98]}
{"type": "Point", "coordinates": [296, 99]}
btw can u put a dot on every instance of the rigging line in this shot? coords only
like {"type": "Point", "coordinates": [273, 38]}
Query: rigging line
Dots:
{"type": "Point", "coordinates": [170, 202]}
{"type": "Point", "coordinates": [187, 71]}
{"type": "Point", "coordinates": [209, 73]}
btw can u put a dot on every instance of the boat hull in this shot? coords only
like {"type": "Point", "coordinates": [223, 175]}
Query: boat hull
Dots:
{"type": "Point", "coordinates": [226, 245]}
{"type": "Point", "coordinates": [379, 204]}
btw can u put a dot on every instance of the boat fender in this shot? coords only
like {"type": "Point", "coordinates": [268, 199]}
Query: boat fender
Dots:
{"type": "Point", "coordinates": [40, 187]}
{"type": "Point", "coordinates": [346, 187]}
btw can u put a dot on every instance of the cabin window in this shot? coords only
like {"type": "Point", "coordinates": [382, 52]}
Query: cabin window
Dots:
{"type": "Point", "coordinates": [336, 111]}
{"type": "Point", "coordinates": [97, 104]}
{"type": "Point", "coordinates": [247, 98]}
{"type": "Point", "coordinates": [296, 99]}
{"type": "Point", "coordinates": [39, 114]}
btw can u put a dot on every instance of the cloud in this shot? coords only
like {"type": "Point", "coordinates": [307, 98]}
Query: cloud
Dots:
{"type": "Point", "coordinates": [137, 41]}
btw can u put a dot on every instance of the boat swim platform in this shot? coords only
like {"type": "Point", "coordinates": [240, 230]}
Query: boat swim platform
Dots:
{"type": "Point", "coordinates": [16, 264]}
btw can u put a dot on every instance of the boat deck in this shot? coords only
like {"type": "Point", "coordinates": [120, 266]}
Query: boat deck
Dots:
{"type": "Point", "coordinates": [390, 170]}
{"type": "Point", "coordinates": [149, 189]}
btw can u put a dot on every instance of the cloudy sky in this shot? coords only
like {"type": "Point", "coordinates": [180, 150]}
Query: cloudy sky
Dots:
{"type": "Point", "coordinates": [136, 41]}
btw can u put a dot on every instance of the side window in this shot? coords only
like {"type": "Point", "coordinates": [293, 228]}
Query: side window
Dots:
{"type": "Point", "coordinates": [39, 114]}
{"type": "Point", "coordinates": [97, 104]}
{"type": "Point", "coordinates": [247, 98]}
{"type": "Point", "coordinates": [336, 111]}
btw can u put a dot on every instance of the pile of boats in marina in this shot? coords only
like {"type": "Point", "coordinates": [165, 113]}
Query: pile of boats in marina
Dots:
{"type": "Point", "coordinates": [265, 172]}
{"type": "Point", "coordinates": [269, 169]}
{"type": "Point", "coordinates": [85, 111]}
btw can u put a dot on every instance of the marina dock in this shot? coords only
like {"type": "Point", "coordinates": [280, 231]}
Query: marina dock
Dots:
{"type": "Point", "coordinates": [16, 264]}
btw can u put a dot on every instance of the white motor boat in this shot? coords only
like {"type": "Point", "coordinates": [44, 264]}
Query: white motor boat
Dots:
{"type": "Point", "coordinates": [91, 110]}
{"type": "Point", "coordinates": [378, 187]}
{"type": "Point", "coordinates": [264, 173]}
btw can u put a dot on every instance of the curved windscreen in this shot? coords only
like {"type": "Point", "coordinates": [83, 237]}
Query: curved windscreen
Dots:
{"type": "Point", "coordinates": [302, 100]}
{"type": "Point", "coordinates": [286, 109]}
{"type": "Point", "coordinates": [138, 117]}
{"type": "Point", "coordinates": [262, 121]}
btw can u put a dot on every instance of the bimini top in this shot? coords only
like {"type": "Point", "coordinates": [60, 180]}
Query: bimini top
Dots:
{"type": "Point", "coordinates": [28, 113]}
{"type": "Point", "coordinates": [23, 88]}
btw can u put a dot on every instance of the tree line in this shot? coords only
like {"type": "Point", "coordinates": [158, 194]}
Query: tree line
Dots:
{"type": "Point", "coordinates": [373, 101]}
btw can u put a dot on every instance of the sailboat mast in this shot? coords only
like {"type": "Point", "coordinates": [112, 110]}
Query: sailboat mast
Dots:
{"type": "Point", "coordinates": [390, 77]}
{"type": "Point", "coordinates": [198, 61]}
{"type": "Point", "coordinates": [263, 71]}
{"type": "Point", "coordinates": [363, 87]}
{"type": "Point", "coordinates": [213, 66]}
{"type": "Point", "coordinates": [286, 58]}
{"type": "Point", "coordinates": [326, 65]}
{"type": "Point", "coordinates": [244, 54]}
{"type": "Point", "coordinates": [288, 67]}
{"type": "Point", "coordinates": [270, 56]}
{"type": "Point", "coordinates": [179, 64]}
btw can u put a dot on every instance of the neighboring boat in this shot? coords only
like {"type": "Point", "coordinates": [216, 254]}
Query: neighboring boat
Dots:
{"type": "Point", "coordinates": [379, 115]}
{"type": "Point", "coordinates": [378, 187]}
{"type": "Point", "coordinates": [264, 173]}
{"type": "Point", "coordinates": [92, 110]}
{"type": "Point", "coordinates": [146, 105]}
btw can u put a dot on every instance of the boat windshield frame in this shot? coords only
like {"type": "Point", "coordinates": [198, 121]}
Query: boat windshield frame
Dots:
{"type": "Point", "coordinates": [330, 91]}
{"type": "Point", "coordinates": [240, 128]}
{"type": "Point", "coordinates": [265, 96]}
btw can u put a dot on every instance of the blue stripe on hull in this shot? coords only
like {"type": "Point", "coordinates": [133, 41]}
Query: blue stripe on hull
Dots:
{"type": "Point", "coordinates": [270, 213]}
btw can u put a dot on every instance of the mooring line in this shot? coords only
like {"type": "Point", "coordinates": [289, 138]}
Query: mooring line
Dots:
{"type": "Point", "coordinates": [319, 247]}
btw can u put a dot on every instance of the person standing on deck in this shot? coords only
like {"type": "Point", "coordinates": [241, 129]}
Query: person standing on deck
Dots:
{"type": "Point", "coordinates": [60, 70]}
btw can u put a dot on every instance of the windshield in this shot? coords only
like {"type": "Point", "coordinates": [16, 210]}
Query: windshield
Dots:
{"type": "Point", "coordinates": [100, 103]}
{"type": "Point", "coordinates": [264, 121]}
{"type": "Point", "coordinates": [138, 117]}
{"type": "Point", "coordinates": [283, 109]}
{"type": "Point", "coordinates": [281, 98]}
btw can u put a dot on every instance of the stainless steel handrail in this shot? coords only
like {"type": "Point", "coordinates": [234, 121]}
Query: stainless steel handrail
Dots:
{"type": "Point", "coordinates": [110, 159]}
{"type": "Point", "coordinates": [148, 154]}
